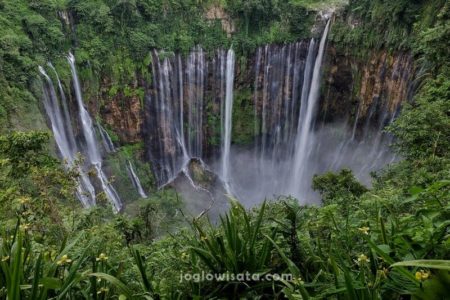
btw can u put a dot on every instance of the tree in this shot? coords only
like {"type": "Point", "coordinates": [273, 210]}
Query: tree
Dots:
{"type": "Point", "coordinates": [338, 186]}
{"type": "Point", "coordinates": [33, 185]}
{"type": "Point", "coordinates": [423, 128]}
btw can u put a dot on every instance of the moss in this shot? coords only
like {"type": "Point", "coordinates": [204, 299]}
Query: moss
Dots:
{"type": "Point", "coordinates": [213, 123]}
{"type": "Point", "coordinates": [243, 117]}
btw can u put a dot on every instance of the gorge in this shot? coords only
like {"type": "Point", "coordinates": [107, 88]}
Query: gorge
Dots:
{"type": "Point", "coordinates": [291, 138]}
{"type": "Point", "coordinates": [224, 149]}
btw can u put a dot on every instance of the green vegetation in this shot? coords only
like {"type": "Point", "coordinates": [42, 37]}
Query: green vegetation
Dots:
{"type": "Point", "coordinates": [118, 161]}
{"type": "Point", "coordinates": [389, 241]}
{"type": "Point", "coordinates": [34, 32]}
{"type": "Point", "coordinates": [393, 25]}
{"type": "Point", "coordinates": [243, 117]}
{"type": "Point", "coordinates": [386, 242]}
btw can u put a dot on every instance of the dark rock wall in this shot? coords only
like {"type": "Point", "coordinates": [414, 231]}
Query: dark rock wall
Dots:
{"type": "Point", "coordinates": [353, 88]}
{"type": "Point", "coordinates": [357, 88]}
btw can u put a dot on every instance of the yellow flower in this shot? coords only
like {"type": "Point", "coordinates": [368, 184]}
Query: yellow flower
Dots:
{"type": "Point", "coordinates": [384, 272]}
{"type": "Point", "coordinates": [422, 275]}
{"type": "Point", "coordinates": [362, 259]}
{"type": "Point", "coordinates": [5, 258]}
{"type": "Point", "coordinates": [24, 200]}
{"type": "Point", "coordinates": [418, 276]}
{"type": "Point", "coordinates": [203, 238]}
{"type": "Point", "coordinates": [298, 280]}
{"type": "Point", "coordinates": [364, 230]}
{"type": "Point", "coordinates": [184, 255]}
{"type": "Point", "coordinates": [25, 227]}
{"type": "Point", "coordinates": [102, 257]}
{"type": "Point", "coordinates": [64, 260]}
{"type": "Point", "coordinates": [102, 290]}
{"type": "Point", "coordinates": [27, 213]}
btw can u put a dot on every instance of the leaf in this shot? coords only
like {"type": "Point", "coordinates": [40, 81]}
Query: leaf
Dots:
{"type": "Point", "coordinates": [51, 283]}
{"type": "Point", "coordinates": [425, 263]}
{"type": "Point", "coordinates": [73, 277]}
{"type": "Point", "coordinates": [116, 282]}
{"type": "Point", "coordinates": [415, 190]}
{"type": "Point", "coordinates": [37, 273]}
{"type": "Point", "coordinates": [351, 292]}
{"type": "Point", "coordinates": [385, 248]}
{"type": "Point", "coordinates": [17, 269]}
{"type": "Point", "coordinates": [140, 264]}
{"type": "Point", "coordinates": [382, 228]}
{"type": "Point", "coordinates": [292, 268]}
{"type": "Point", "coordinates": [389, 259]}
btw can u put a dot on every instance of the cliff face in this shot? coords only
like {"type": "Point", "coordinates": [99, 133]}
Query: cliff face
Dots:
{"type": "Point", "coordinates": [124, 114]}
{"type": "Point", "coordinates": [358, 89]}
{"type": "Point", "coordinates": [120, 112]}
{"type": "Point", "coordinates": [354, 89]}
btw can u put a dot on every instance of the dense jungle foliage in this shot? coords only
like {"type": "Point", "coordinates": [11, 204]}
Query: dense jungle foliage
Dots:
{"type": "Point", "coordinates": [389, 241]}
{"type": "Point", "coordinates": [34, 32]}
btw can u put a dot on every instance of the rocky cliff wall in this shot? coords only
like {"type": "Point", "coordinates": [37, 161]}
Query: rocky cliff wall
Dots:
{"type": "Point", "coordinates": [354, 89]}
{"type": "Point", "coordinates": [365, 89]}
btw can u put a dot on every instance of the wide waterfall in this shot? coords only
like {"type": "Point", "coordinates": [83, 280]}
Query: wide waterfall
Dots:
{"type": "Point", "coordinates": [291, 144]}
{"type": "Point", "coordinates": [61, 124]}
{"type": "Point", "coordinates": [165, 108]}
{"type": "Point", "coordinates": [57, 110]}
{"type": "Point", "coordinates": [175, 108]}
{"type": "Point", "coordinates": [195, 80]}
{"type": "Point", "coordinates": [282, 76]}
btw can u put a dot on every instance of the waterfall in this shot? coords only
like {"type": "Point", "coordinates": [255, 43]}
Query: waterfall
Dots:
{"type": "Point", "coordinates": [109, 148]}
{"type": "Point", "coordinates": [169, 151]}
{"type": "Point", "coordinates": [135, 180]}
{"type": "Point", "coordinates": [68, 124]}
{"type": "Point", "coordinates": [191, 99]}
{"type": "Point", "coordinates": [175, 116]}
{"type": "Point", "coordinates": [304, 136]}
{"type": "Point", "coordinates": [91, 148]}
{"type": "Point", "coordinates": [106, 139]}
{"type": "Point", "coordinates": [227, 119]}
{"type": "Point", "coordinates": [195, 79]}
{"type": "Point", "coordinates": [63, 134]}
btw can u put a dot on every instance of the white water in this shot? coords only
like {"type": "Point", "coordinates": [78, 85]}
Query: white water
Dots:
{"type": "Point", "coordinates": [195, 78]}
{"type": "Point", "coordinates": [290, 146]}
{"type": "Point", "coordinates": [68, 124]}
{"type": "Point", "coordinates": [64, 138]}
{"type": "Point", "coordinates": [135, 180]}
{"type": "Point", "coordinates": [304, 138]}
{"type": "Point", "coordinates": [227, 119]}
{"type": "Point", "coordinates": [91, 148]}
{"type": "Point", "coordinates": [106, 139]}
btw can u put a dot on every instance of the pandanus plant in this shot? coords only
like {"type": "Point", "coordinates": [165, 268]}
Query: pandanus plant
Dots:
{"type": "Point", "coordinates": [235, 246]}
{"type": "Point", "coordinates": [27, 274]}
